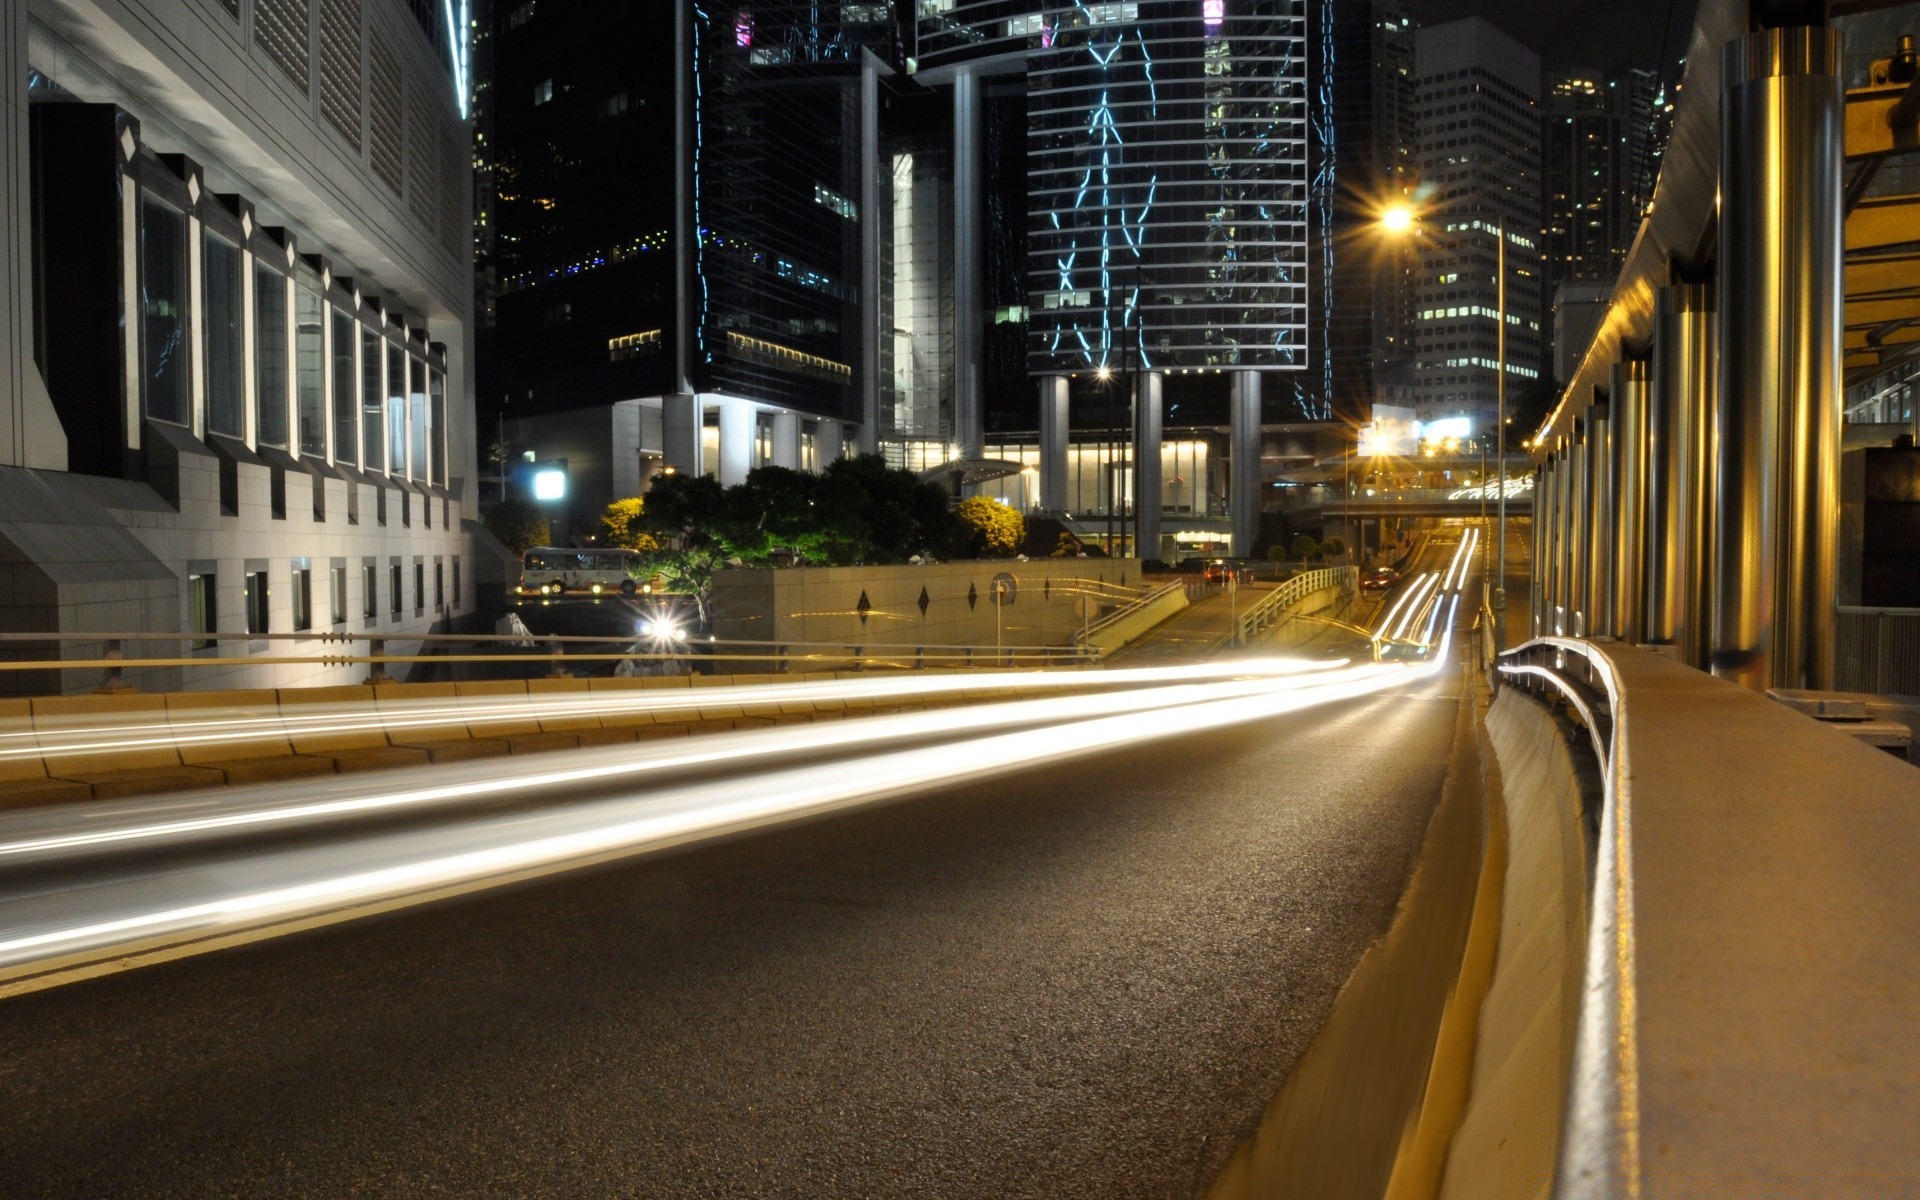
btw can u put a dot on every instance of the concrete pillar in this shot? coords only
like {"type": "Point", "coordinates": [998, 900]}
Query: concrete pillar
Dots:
{"type": "Point", "coordinates": [737, 429]}
{"type": "Point", "coordinates": [969, 267]}
{"type": "Point", "coordinates": [1598, 533]}
{"type": "Point", "coordinates": [1053, 443]}
{"type": "Point", "coordinates": [1629, 492]}
{"type": "Point", "coordinates": [829, 443]}
{"type": "Point", "coordinates": [786, 440]}
{"type": "Point", "coordinates": [1243, 479]}
{"type": "Point", "coordinates": [680, 418]}
{"type": "Point", "coordinates": [1778, 470]}
{"type": "Point", "coordinates": [1146, 467]}
{"type": "Point", "coordinates": [1680, 470]}
{"type": "Point", "coordinates": [875, 323]}
{"type": "Point", "coordinates": [1579, 504]}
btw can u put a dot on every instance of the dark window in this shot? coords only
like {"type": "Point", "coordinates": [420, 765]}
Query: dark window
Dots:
{"type": "Point", "coordinates": [439, 584]}
{"type": "Point", "coordinates": [163, 310]}
{"type": "Point", "coordinates": [256, 597]}
{"type": "Point", "coordinates": [302, 597]}
{"type": "Point", "coordinates": [419, 586]}
{"type": "Point", "coordinates": [374, 456]}
{"type": "Point", "coordinates": [225, 338]}
{"type": "Point", "coordinates": [311, 363]}
{"type": "Point", "coordinates": [456, 581]}
{"type": "Point", "coordinates": [337, 577]}
{"type": "Point", "coordinates": [202, 608]}
{"type": "Point", "coordinates": [436, 428]}
{"type": "Point", "coordinates": [393, 586]}
{"type": "Point", "coordinates": [270, 354]}
{"type": "Point", "coordinates": [370, 599]}
{"type": "Point", "coordinates": [345, 402]}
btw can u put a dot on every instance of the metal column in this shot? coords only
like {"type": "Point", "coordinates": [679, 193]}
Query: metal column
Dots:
{"type": "Point", "coordinates": [1629, 492]}
{"type": "Point", "coordinates": [1146, 468]}
{"type": "Point", "coordinates": [1243, 498]}
{"type": "Point", "coordinates": [1542, 524]}
{"type": "Point", "coordinates": [1578, 501]}
{"type": "Point", "coordinates": [1680, 469]}
{"type": "Point", "coordinates": [969, 265]}
{"type": "Point", "coordinates": [871, 258]}
{"type": "Point", "coordinates": [680, 419]}
{"type": "Point", "coordinates": [1565, 476]}
{"type": "Point", "coordinates": [1778, 477]}
{"type": "Point", "coordinates": [1598, 533]}
{"type": "Point", "coordinates": [1053, 443]}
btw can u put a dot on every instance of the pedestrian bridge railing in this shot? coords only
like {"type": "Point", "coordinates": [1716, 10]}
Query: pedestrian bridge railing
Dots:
{"type": "Point", "coordinates": [1273, 607]}
{"type": "Point", "coordinates": [1745, 996]}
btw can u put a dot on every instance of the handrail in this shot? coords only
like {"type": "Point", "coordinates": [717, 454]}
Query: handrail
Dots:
{"type": "Point", "coordinates": [1289, 593]}
{"type": "Point", "coordinates": [1125, 610]}
{"type": "Point", "coordinates": [1599, 1147]}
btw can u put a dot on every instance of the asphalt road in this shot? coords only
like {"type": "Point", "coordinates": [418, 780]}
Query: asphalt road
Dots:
{"type": "Point", "coordinates": [1086, 981]}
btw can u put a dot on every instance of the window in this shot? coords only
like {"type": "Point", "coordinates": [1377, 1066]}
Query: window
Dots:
{"type": "Point", "coordinates": [397, 408]}
{"type": "Point", "coordinates": [456, 581]}
{"type": "Point", "coordinates": [419, 586]}
{"type": "Point", "coordinates": [337, 580]}
{"type": "Point", "coordinates": [543, 91]}
{"type": "Point", "coordinates": [202, 609]}
{"type": "Point", "coordinates": [346, 437]}
{"type": "Point", "coordinates": [270, 355]}
{"type": "Point", "coordinates": [163, 310]}
{"type": "Point", "coordinates": [370, 592]}
{"type": "Point", "coordinates": [373, 453]}
{"type": "Point", "coordinates": [617, 105]}
{"type": "Point", "coordinates": [521, 14]}
{"type": "Point", "coordinates": [417, 420]}
{"type": "Point", "coordinates": [302, 595]}
{"type": "Point", "coordinates": [393, 586]}
{"type": "Point", "coordinates": [439, 584]}
{"type": "Point", "coordinates": [225, 337]}
{"type": "Point", "coordinates": [310, 365]}
{"type": "Point", "coordinates": [256, 601]}
{"type": "Point", "coordinates": [437, 431]}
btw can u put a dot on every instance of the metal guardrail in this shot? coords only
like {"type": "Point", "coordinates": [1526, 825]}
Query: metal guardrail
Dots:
{"type": "Point", "coordinates": [559, 650]}
{"type": "Point", "coordinates": [1270, 608]}
{"type": "Point", "coordinates": [1127, 610]}
{"type": "Point", "coordinates": [1599, 1149]}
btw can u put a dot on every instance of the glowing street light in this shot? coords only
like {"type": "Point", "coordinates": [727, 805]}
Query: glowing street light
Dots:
{"type": "Point", "coordinates": [1397, 219]}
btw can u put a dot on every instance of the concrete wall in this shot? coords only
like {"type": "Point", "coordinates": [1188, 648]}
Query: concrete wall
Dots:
{"type": "Point", "coordinates": [1052, 599]}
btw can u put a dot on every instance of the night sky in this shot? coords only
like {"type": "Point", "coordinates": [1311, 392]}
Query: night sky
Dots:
{"type": "Point", "coordinates": [1587, 33]}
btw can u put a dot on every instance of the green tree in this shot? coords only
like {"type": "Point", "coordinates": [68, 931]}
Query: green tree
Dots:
{"type": "Point", "coordinates": [1068, 546]}
{"type": "Point", "coordinates": [617, 523]}
{"type": "Point", "coordinates": [994, 530]}
{"type": "Point", "coordinates": [519, 526]}
{"type": "Point", "coordinates": [1333, 547]}
{"type": "Point", "coordinates": [1305, 548]}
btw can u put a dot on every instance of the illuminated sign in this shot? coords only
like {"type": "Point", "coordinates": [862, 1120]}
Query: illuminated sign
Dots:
{"type": "Point", "coordinates": [1213, 13]}
{"type": "Point", "coordinates": [550, 484]}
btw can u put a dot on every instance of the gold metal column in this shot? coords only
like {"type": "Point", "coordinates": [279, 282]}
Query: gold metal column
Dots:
{"type": "Point", "coordinates": [1629, 497]}
{"type": "Point", "coordinates": [1781, 139]}
{"type": "Point", "coordinates": [1598, 533]}
{"type": "Point", "coordinates": [1680, 470]}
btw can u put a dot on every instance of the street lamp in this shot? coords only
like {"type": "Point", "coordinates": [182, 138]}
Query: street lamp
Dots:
{"type": "Point", "coordinates": [1400, 220]}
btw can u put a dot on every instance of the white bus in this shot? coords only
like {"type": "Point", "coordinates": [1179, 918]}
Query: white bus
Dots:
{"type": "Point", "coordinates": [559, 571]}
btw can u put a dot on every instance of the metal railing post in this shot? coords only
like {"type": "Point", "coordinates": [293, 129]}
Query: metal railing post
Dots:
{"type": "Point", "coordinates": [115, 678]}
{"type": "Point", "coordinates": [376, 671]}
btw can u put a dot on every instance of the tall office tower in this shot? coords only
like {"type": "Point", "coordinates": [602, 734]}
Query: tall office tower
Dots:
{"type": "Point", "coordinates": [1166, 206]}
{"type": "Point", "coordinates": [1367, 72]}
{"type": "Point", "coordinates": [689, 216]}
{"type": "Point", "coordinates": [236, 321]}
{"type": "Point", "coordinates": [1477, 100]}
{"type": "Point", "coordinates": [1600, 162]}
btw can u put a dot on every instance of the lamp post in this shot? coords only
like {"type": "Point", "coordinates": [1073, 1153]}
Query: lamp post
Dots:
{"type": "Point", "coordinates": [1399, 220]}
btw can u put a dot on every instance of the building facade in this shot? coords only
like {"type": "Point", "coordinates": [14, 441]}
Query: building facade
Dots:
{"type": "Point", "coordinates": [1477, 102]}
{"type": "Point", "coordinates": [237, 334]}
{"type": "Point", "coordinates": [1600, 159]}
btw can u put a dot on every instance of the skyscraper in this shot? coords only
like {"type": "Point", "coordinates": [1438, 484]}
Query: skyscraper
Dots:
{"type": "Point", "coordinates": [1600, 161]}
{"type": "Point", "coordinates": [1477, 101]}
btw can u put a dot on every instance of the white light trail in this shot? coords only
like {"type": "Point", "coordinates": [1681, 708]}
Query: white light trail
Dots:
{"type": "Point", "coordinates": [175, 820]}
{"type": "Point", "coordinates": [75, 931]}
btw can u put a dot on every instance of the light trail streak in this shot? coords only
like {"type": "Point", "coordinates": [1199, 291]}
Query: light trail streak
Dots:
{"type": "Point", "coordinates": [175, 821]}
{"type": "Point", "coordinates": [192, 727]}
{"type": "Point", "coordinates": [70, 932]}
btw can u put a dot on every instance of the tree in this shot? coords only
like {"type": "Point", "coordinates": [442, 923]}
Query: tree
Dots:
{"type": "Point", "coordinates": [519, 526]}
{"type": "Point", "coordinates": [1068, 546]}
{"type": "Point", "coordinates": [1304, 547]}
{"type": "Point", "coordinates": [1333, 547]}
{"type": "Point", "coordinates": [617, 523]}
{"type": "Point", "coordinates": [994, 530]}
{"type": "Point", "coordinates": [1276, 554]}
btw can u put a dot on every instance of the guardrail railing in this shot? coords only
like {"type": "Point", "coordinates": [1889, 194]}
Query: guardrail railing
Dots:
{"type": "Point", "coordinates": [1080, 638]}
{"type": "Point", "coordinates": [560, 651]}
{"type": "Point", "coordinates": [1271, 608]}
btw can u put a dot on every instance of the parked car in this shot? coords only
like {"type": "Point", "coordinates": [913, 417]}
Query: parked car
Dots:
{"type": "Point", "coordinates": [1219, 571]}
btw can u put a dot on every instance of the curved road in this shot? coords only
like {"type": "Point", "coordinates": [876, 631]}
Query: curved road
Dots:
{"type": "Point", "coordinates": [1084, 981]}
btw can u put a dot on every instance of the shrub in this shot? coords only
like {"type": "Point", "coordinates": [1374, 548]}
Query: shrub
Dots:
{"type": "Point", "coordinates": [519, 525]}
{"type": "Point", "coordinates": [994, 530]}
{"type": "Point", "coordinates": [1304, 547]}
{"type": "Point", "coordinates": [617, 523]}
{"type": "Point", "coordinates": [1333, 546]}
